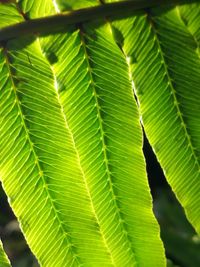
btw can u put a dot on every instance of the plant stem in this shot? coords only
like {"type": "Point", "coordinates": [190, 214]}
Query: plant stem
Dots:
{"type": "Point", "coordinates": [58, 22]}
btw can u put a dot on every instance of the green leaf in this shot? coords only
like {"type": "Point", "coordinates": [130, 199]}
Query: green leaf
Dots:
{"type": "Point", "coordinates": [190, 14]}
{"type": "Point", "coordinates": [37, 8]}
{"type": "Point", "coordinates": [9, 15]}
{"type": "Point", "coordinates": [4, 262]}
{"type": "Point", "coordinates": [72, 5]}
{"type": "Point", "coordinates": [71, 151]}
{"type": "Point", "coordinates": [165, 67]}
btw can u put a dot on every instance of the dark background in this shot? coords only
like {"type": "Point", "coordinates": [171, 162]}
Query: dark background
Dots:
{"type": "Point", "coordinates": [180, 240]}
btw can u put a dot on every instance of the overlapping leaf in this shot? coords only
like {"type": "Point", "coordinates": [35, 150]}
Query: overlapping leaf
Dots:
{"type": "Point", "coordinates": [190, 15]}
{"type": "Point", "coordinates": [162, 50]}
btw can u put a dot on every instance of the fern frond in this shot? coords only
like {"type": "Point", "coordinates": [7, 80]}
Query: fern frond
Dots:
{"type": "Point", "coordinates": [165, 65]}
{"type": "Point", "coordinates": [71, 146]}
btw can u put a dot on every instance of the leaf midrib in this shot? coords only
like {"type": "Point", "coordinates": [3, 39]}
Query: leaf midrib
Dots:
{"type": "Point", "coordinates": [80, 166]}
{"type": "Point", "coordinates": [103, 139]}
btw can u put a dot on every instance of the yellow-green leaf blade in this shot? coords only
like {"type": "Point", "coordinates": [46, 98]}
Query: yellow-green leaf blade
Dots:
{"type": "Point", "coordinates": [166, 73]}
{"type": "Point", "coordinates": [9, 15]}
{"type": "Point", "coordinates": [4, 262]}
{"type": "Point", "coordinates": [107, 96]}
{"type": "Point", "coordinates": [73, 164]}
